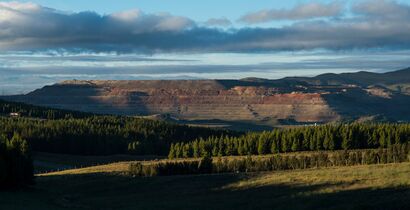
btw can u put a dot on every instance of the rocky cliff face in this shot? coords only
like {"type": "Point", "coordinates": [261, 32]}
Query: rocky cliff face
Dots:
{"type": "Point", "coordinates": [186, 100]}
{"type": "Point", "coordinates": [325, 98]}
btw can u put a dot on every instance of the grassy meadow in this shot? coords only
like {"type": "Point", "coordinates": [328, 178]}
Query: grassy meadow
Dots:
{"type": "Point", "coordinates": [49, 162]}
{"type": "Point", "coordinates": [108, 187]}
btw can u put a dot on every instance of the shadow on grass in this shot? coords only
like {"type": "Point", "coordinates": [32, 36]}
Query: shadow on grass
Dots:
{"type": "Point", "coordinates": [103, 191]}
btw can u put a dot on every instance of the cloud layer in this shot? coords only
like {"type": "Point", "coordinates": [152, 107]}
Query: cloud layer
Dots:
{"type": "Point", "coordinates": [373, 24]}
{"type": "Point", "coordinates": [27, 26]}
{"type": "Point", "coordinates": [31, 72]}
{"type": "Point", "coordinates": [300, 12]}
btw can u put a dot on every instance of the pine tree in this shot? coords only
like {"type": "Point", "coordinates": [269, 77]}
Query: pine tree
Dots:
{"type": "Point", "coordinates": [347, 140]}
{"type": "Point", "coordinates": [295, 145]}
{"type": "Point", "coordinates": [187, 152]}
{"type": "Point", "coordinates": [221, 147]}
{"type": "Point", "coordinates": [319, 140]}
{"type": "Point", "coordinates": [15, 162]}
{"type": "Point", "coordinates": [241, 149]}
{"type": "Point", "coordinates": [312, 143]}
{"type": "Point", "coordinates": [171, 154]}
{"type": "Point", "coordinates": [274, 147]}
{"type": "Point", "coordinates": [196, 149]}
{"type": "Point", "coordinates": [285, 143]}
{"type": "Point", "coordinates": [326, 142]}
{"type": "Point", "coordinates": [332, 142]}
{"type": "Point", "coordinates": [178, 150]}
{"type": "Point", "coordinates": [261, 146]}
{"type": "Point", "coordinates": [382, 139]}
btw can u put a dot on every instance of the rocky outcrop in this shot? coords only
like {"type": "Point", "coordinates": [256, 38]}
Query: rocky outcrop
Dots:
{"type": "Point", "coordinates": [186, 100]}
{"type": "Point", "coordinates": [325, 98]}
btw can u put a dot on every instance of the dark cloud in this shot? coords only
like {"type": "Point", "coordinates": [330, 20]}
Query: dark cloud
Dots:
{"type": "Point", "coordinates": [27, 26]}
{"type": "Point", "coordinates": [374, 24]}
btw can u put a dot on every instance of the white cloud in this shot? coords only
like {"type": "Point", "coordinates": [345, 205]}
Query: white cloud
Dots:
{"type": "Point", "coordinates": [173, 23]}
{"type": "Point", "coordinates": [17, 6]}
{"type": "Point", "coordinates": [382, 9]}
{"type": "Point", "coordinates": [130, 15]}
{"type": "Point", "coordinates": [223, 21]}
{"type": "Point", "coordinates": [299, 12]}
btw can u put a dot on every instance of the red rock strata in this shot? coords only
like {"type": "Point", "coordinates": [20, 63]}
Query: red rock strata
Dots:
{"type": "Point", "coordinates": [187, 99]}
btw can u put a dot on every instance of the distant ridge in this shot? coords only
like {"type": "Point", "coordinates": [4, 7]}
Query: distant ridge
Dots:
{"type": "Point", "coordinates": [292, 100]}
{"type": "Point", "coordinates": [361, 78]}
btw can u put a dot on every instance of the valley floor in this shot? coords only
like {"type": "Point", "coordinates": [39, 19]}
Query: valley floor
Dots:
{"type": "Point", "coordinates": [357, 187]}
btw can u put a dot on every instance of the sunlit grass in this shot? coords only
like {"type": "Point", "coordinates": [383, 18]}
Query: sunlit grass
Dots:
{"type": "Point", "coordinates": [106, 187]}
{"type": "Point", "coordinates": [353, 177]}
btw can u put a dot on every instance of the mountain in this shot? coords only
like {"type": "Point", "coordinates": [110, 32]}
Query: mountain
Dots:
{"type": "Point", "coordinates": [294, 100]}
{"type": "Point", "coordinates": [362, 78]}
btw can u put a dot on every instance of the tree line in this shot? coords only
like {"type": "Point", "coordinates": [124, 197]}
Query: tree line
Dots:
{"type": "Point", "coordinates": [393, 154]}
{"type": "Point", "coordinates": [16, 167]}
{"type": "Point", "coordinates": [308, 138]}
{"type": "Point", "coordinates": [103, 135]}
{"type": "Point", "coordinates": [26, 110]}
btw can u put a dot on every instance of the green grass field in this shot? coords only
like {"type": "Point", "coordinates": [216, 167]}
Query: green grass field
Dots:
{"type": "Point", "coordinates": [60, 164]}
{"type": "Point", "coordinates": [46, 162]}
{"type": "Point", "coordinates": [106, 187]}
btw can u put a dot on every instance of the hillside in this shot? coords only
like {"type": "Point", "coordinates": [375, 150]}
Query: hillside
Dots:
{"type": "Point", "coordinates": [103, 135]}
{"type": "Point", "coordinates": [361, 187]}
{"type": "Point", "coordinates": [298, 100]}
{"type": "Point", "coordinates": [361, 78]}
{"type": "Point", "coordinates": [31, 111]}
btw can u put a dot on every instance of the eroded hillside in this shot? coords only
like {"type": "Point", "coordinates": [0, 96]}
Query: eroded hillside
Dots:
{"type": "Point", "coordinates": [321, 99]}
{"type": "Point", "coordinates": [186, 100]}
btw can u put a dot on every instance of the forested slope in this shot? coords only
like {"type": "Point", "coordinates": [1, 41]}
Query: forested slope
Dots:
{"type": "Point", "coordinates": [103, 135]}
{"type": "Point", "coordinates": [308, 138]}
{"type": "Point", "coordinates": [31, 111]}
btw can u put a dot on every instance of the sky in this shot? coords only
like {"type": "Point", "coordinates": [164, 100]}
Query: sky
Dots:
{"type": "Point", "coordinates": [46, 41]}
{"type": "Point", "coordinates": [197, 10]}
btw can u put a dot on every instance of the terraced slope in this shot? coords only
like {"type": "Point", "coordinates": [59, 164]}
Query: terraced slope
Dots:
{"type": "Point", "coordinates": [185, 100]}
{"type": "Point", "coordinates": [325, 98]}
